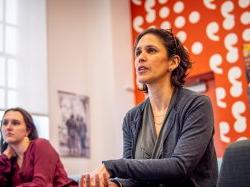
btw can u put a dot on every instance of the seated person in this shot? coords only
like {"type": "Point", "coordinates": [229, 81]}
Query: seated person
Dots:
{"type": "Point", "coordinates": [25, 159]}
{"type": "Point", "coordinates": [167, 139]}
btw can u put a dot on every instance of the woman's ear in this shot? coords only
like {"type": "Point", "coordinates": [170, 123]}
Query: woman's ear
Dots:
{"type": "Point", "coordinates": [174, 62]}
{"type": "Point", "coordinates": [28, 132]}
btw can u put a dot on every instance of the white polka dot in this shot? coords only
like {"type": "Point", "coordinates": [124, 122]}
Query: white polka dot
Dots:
{"type": "Point", "coordinates": [244, 3]}
{"type": "Point", "coordinates": [137, 2]}
{"type": "Point", "coordinates": [226, 8]}
{"type": "Point", "coordinates": [211, 30]}
{"type": "Point", "coordinates": [165, 25]}
{"type": "Point", "coordinates": [150, 17]}
{"type": "Point", "coordinates": [215, 61]}
{"type": "Point", "coordinates": [220, 96]}
{"type": "Point", "coordinates": [230, 40]}
{"type": "Point", "coordinates": [162, 1]}
{"type": "Point", "coordinates": [229, 22]}
{"type": "Point", "coordinates": [194, 17]}
{"type": "Point", "coordinates": [240, 125]}
{"type": "Point", "coordinates": [236, 89]}
{"type": "Point", "coordinates": [246, 35]}
{"type": "Point", "coordinates": [245, 18]}
{"type": "Point", "coordinates": [197, 48]}
{"type": "Point", "coordinates": [182, 36]}
{"type": "Point", "coordinates": [164, 12]}
{"type": "Point", "coordinates": [149, 4]}
{"type": "Point", "coordinates": [234, 73]}
{"type": "Point", "coordinates": [137, 23]}
{"type": "Point", "coordinates": [224, 129]}
{"type": "Point", "coordinates": [178, 7]}
{"type": "Point", "coordinates": [179, 22]}
{"type": "Point", "coordinates": [209, 4]}
{"type": "Point", "coordinates": [238, 108]}
{"type": "Point", "coordinates": [233, 55]}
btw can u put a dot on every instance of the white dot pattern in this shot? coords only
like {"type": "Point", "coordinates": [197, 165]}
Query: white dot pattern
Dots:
{"type": "Point", "coordinates": [220, 96]}
{"type": "Point", "coordinates": [182, 36]}
{"type": "Point", "coordinates": [165, 25]}
{"type": "Point", "coordinates": [164, 12]}
{"type": "Point", "coordinates": [240, 124]}
{"type": "Point", "coordinates": [212, 30]}
{"type": "Point", "coordinates": [178, 7]}
{"type": "Point", "coordinates": [244, 3]}
{"type": "Point", "coordinates": [246, 35]}
{"type": "Point", "coordinates": [224, 129]}
{"type": "Point", "coordinates": [197, 47]}
{"type": "Point", "coordinates": [209, 4]}
{"type": "Point", "coordinates": [215, 62]}
{"type": "Point", "coordinates": [137, 2]}
{"type": "Point", "coordinates": [162, 1]}
{"type": "Point", "coordinates": [194, 17]}
{"type": "Point", "coordinates": [245, 18]}
{"type": "Point", "coordinates": [137, 23]}
{"type": "Point", "coordinates": [179, 21]}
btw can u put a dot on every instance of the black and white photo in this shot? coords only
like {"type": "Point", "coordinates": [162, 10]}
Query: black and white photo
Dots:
{"type": "Point", "coordinates": [74, 125]}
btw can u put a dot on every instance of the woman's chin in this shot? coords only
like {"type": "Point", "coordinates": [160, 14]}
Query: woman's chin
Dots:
{"type": "Point", "coordinates": [10, 141]}
{"type": "Point", "coordinates": [142, 81]}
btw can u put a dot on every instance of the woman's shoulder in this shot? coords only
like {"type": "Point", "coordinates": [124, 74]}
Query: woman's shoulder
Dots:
{"type": "Point", "coordinates": [187, 98]}
{"type": "Point", "coordinates": [190, 95]}
{"type": "Point", "coordinates": [41, 142]}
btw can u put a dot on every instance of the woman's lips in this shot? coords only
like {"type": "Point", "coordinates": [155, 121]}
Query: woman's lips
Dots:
{"type": "Point", "coordinates": [142, 69]}
{"type": "Point", "coordinates": [8, 134]}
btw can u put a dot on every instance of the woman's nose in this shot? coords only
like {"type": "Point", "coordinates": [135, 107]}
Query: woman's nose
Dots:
{"type": "Point", "coordinates": [142, 57]}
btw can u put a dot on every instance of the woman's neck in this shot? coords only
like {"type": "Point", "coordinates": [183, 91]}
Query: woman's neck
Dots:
{"type": "Point", "coordinates": [160, 96]}
{"type": "Point", "coordinates": [20, 148]}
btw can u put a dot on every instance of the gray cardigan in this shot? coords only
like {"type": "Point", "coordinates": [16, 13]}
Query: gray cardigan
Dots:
{"type": "Point", "coordinates": [188, 155]}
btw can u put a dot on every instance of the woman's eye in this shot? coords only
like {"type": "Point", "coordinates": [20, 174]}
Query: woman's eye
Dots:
{"type": "Point", "coordinates": [151, 50]}
{"type": "Point", "coordinates": [137, 53]}
{"type": "Point", "coordinates": [5, 122]}
{"type": "Point", "coordinates": [15, 122]}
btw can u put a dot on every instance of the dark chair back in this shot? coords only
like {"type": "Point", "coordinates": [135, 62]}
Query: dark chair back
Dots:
{"type": "Point", "coordinates": [235, 167]}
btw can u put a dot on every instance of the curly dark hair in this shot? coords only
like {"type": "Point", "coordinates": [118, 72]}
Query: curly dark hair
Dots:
{"type": "Point", "coordinates": [28, 122]}
{"type": "Point", "coordinates": [173, 47]}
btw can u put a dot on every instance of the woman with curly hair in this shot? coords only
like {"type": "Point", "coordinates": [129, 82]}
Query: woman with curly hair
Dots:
{"type": "Point", "coordinates": [167, 139]}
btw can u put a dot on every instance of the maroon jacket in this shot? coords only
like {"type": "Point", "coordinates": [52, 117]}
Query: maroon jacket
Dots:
{"type": "Point", "coordinates": [41, 168]}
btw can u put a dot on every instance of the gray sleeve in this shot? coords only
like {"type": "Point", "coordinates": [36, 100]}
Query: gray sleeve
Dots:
{"type": "Point", "coordinates": [127, 154]}
{"type": "Point", "coordinates": [127, 138]}
{"type": "Point", "coordinates": [196, 134]}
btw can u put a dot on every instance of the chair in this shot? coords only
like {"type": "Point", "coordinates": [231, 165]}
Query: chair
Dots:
{"type": "Point", "coordinates": [235, 168]}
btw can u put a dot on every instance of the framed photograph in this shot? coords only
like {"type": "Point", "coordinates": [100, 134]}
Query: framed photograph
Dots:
{"type": "Point", "coordinates": [74, 127]}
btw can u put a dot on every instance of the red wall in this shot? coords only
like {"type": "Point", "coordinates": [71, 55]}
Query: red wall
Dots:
{"type": "Point", "coordinates": [214, 32]}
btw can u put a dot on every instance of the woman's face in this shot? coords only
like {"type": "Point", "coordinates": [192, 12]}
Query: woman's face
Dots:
{"type": "Point", "coordinates": [13, 128]}
{"type": "Point", "coordinates": [151, 61]}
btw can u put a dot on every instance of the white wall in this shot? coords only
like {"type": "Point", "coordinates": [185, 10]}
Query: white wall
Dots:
{"type": "Point", "coordinates": [89, 53]}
